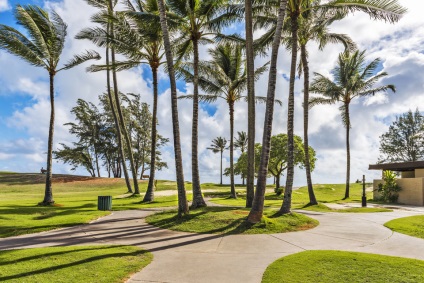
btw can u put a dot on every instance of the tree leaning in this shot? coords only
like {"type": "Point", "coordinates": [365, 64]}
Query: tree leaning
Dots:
{"type": "Point", "coordinates": [42, 48]}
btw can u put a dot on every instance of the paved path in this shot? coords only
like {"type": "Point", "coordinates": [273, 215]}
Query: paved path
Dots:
{"type": "Point", "coordinates": [185, 257]}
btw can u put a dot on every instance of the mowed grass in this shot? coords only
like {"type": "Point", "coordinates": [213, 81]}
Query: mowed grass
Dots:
{"type": "Point", "coordinates": [72, 264]}
{"type": "Point", "coordinates": [75, 201]}
{"type": "Point", "coordinates": [338, 266]}
{"type": "Point", "coordinates": [225, 220]}
{"type": "Point", "coordinates": [323, 208]}
{"type": "Point", "coordinates": [412, 226]}
{"type": "Point", "coordinates": [300, 198]}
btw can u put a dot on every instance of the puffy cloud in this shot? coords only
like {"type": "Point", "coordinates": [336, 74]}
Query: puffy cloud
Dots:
{"type": "Point", "coordinates": [4, 5]}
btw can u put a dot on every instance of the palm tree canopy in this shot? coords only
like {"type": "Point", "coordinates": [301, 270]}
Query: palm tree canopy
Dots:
{"type": "Point", "coordinates": [241, 141]}
{"type": "Point", "coordinates": [218, 145]}
{"type": "Point", "coordinates": [45, 41]}
{"type": "Point", "coordinates": [353, 77]}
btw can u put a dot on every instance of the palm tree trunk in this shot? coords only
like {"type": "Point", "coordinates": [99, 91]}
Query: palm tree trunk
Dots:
{"type": "Point", "coordinates": [149, 196]}
{"type": "Point", "coordinates": [115, 118]}
{"type": "Point", "coordinates": [233, 189]}
{"type": "Point", "coordinates": [256, 212]}
{"type": "Point", "coordinates": [48, 193]}
{"type": "Point", "coordinates": [347, 150]}
{"type": "Point", "coordinates": [221, 167]}
{"type": "Point", "coordinates": [120, 115]}
{"type": "Point", "coordinates": [182, 199]}
{"type": "Point", "coordinates": [198, 200]}
{"type": "Point", "coordinates": [286, 206]}
{"type": "Point", "coordinates": [250, 66]}
{"type": "Point", "coordinates": [305, 63]}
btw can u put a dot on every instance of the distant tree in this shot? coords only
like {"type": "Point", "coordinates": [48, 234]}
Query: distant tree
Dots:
{"type": "Point", "coordinates": [241, 166]}
{"type": "Point", "coordinates": [241, 143]}
{"type": "Point", "coordinates": [279, 156]}
{"type": "Point", "coordinates": [77, 156]}
{"type": "Point", "coordinates": [42, 48]}
{"type": "Point", "coordinates": [404, 141]}
{"type": "Point", "coordinates": [218, 145]}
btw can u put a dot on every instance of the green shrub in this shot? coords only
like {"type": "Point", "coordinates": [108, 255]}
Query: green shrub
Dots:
{"type": "Point", "coordinates": [279, 191]}
{"type": "Point", "coordinates": [389, 190]}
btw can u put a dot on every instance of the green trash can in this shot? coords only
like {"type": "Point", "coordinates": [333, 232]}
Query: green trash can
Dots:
{"type": "Point", "coordinates": [104, 202]}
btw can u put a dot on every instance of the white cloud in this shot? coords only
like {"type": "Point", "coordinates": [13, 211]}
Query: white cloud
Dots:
{"type": "Point", "coordinates": [4, 5]}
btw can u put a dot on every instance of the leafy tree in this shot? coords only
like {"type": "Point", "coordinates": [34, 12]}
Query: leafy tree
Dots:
{"type": "Point", "coordinates": [241, 143]}
{"type": "Point", "coordinates": [279, 155]}
{"type": "Point", "coordinates": [76, 156]}
{"type": "Point", "coordinates": [42, 48]}
{"type": "Point", "coordinates": [218, 145]}
{"type": "Point", "coordinates": [404, 141]}
{"type": "Point", "coordinates": [182, 198]}
{"type": "Point", "coordinates": [352, 78]}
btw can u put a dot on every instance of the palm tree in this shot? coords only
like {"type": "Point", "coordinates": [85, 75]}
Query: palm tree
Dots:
{"type": "Point", "coordinates": [182, 198]}
{"type": "Point", "coordinates": [218, 145]}
{"type": "Point", "coordinates": [314, 26]}
{"type": "Point", "coordinates": [241, 143]}
{"type": "Point", "coordinates": [197, 21]}
{"type": "Point", "coordinates": [42, 48]}
{"type": "Point", "coordinates": [101, 37]}
{"type": "Point", "coordinates": [224, 77]}
{"type": "Point", "coordinates": [352, 78]}
{"type": "Point", "coordinates": [256, 212]}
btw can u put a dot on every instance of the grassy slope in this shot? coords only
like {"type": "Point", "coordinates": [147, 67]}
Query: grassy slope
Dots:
{"type": "Point", "coordinates": [412, 226]}
{"type": "Point", "coordinates": [338, 266]}
{"type": "Point", "coordinates": [224, 220]}
{"type": "Point", "coordinates": [72, 264]}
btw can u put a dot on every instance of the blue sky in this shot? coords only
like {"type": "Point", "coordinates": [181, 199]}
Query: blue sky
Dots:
{"type": "Point", "coordinates": [24, 108]}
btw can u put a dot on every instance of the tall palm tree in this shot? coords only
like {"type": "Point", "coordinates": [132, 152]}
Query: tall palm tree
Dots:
{"type": "Point", "coordinates": [256, 211]}
{"type": "Point", "coordinates": [314, 26]}
{"type": "Point", "coordinates": [182, 198]}
{"type": "Point", "coordinates": [352, 78]}
{"type": "Point", "coordinates": [241, 143]}
{"type": "Point", "coordinates": [101, 37]}
{"type": "Point", "coordinates": [42, 48]}
{"type": "Point", "coordinates": [197, 21]}
{"type": "Point", "coordinates": [224, 77]}
{"type": "Point", "coordinates": [218, 145]}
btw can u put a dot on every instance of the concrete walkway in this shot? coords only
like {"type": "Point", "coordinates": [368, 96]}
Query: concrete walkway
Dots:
{"type": "Point", "coordinates": [186, 257]}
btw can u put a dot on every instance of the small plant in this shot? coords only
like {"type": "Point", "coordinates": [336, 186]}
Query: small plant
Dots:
{"type": "Point", "coordinates": [389, 189]}
{"type": "Point", "coordinates": [279, 191]}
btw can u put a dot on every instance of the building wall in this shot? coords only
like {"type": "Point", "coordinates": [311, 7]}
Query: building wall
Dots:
{"type": "Point", "coordinates": [412, 192]}
{"type": "Point", "coordinates": [419, 173]}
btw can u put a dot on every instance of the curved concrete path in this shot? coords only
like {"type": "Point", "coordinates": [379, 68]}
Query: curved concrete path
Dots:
{"type": "Point", "coordinates": [186, 257]}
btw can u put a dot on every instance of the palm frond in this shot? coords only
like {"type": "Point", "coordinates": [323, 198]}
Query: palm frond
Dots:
{"type": "Point", "coordinates": [79, 59]}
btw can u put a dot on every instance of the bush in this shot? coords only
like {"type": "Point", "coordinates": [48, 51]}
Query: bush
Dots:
{"type": "Point", "coordinates": [389, 190]}
{"type": "Point", "coordinates": [279, 191]}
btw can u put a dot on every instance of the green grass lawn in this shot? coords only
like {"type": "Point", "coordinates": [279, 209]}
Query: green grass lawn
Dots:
{"type": "Point", "coordinates": [300, 198]}
{"type": "Point", "coordinates": [323, 208]}
{"type": "Point", "coordinates": [225, 220]}
{"type": "Point", "coordinates": [76, 201]}
{"type": "Point", "coordinates": [412, 226]}
{"type": "Point", "coordinates": [338, 266]}
{"type": "Point", "coordinates": [72, 264]}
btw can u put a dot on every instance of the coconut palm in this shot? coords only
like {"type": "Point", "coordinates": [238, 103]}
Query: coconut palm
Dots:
{"type": "Point", "coordinates": [255, 214]}
{"type": "Point", "coordinates": [182, 198]}
{"type": "Point", "coordinates": [224, 77]}
{"type": "Point", "coordinates": [352, 78]}
{"type": "Point", "coordinates": [42, 48]}
{"type": "Point", "coordinates": [101, 37]}
{"type": "Point", "coordinates": [241, 142]}
{"type": "Point", "coordinates": [197, 21]}
{"type": "Point", "coordinates": [218, 145]}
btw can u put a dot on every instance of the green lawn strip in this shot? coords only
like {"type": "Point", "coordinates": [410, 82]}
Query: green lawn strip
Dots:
{"type": "Point", "coordinates": [72, 264]}
{"type": "Point", "coordinates": [338, 266]}
{"type": "Point", "coordinates": [323, 208]}
{"type": "Point", "coordinates": [331, 193]}
{"type": "Point", "coordinates": [412, 225]}
{"type": "Point", "coordinates": [225, 220]}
